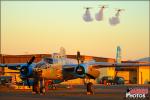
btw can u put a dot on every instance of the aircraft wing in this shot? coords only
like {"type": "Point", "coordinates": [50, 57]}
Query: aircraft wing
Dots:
{"type": "Point", "coordinates": [2, 65]}
{"type": "Point", "coordinates": [106, 64]}
{"type": "Point", "coordinates": [14, 66]}
{"type": "Point", "coordinates": [69, 67]}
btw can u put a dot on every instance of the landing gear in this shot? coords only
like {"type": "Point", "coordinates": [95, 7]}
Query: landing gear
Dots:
{"type": "Point", "coordinates": [42, 90]}
{"type": "Point", "coordinates": [42, 87]}
{"type": "Point", "coordinates": [35, 89]}
{"type": "Point", "coordinates": [39, 87]}
{"type": "Point", "coordinates": [90, 88]}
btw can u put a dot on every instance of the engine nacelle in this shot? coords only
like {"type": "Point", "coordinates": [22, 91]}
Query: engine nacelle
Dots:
{"type": "Point", "coordinates": [80, 70]}
{"type": "Point", "coordinates": [26, 71]}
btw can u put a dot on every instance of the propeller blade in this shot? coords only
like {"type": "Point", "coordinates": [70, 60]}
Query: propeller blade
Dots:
{"type": "Point", "coordinates": [31, 60]}
{"type": "Point", "coordinates": [78, 57]}
{"type": "Point", "coordinates": [28, 83]}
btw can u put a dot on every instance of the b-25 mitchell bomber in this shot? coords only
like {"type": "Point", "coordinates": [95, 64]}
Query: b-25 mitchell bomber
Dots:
{"type": "Point", "coordinates": [35, 74]}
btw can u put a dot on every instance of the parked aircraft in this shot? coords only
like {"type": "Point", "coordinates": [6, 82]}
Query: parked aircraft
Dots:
{"type": "Point", "coordinates": [59, 70]}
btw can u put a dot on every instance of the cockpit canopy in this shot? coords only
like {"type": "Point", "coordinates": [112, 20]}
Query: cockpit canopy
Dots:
{"type": "Point", "coordinates": [48, 60]}
{"type": "Point", "coordinates": [52, 60]}
{"type": "Point", "coordinates": [44, 62]}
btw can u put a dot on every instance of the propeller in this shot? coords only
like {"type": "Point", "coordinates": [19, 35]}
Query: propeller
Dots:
{"type": "Point", "coordinates": [80, 68]}
{"type": "Point", "coordinates": [25, 70]}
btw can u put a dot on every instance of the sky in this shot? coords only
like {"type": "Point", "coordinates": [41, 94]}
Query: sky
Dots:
{"type": "Point", "coordinates": [35, 27]}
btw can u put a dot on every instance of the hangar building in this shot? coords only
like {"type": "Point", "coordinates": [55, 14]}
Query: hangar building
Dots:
{"type": "Point", "coordinates": [133, 75]}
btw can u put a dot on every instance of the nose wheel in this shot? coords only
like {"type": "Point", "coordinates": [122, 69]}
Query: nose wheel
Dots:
{"type": "Point", "coordinates": [90, 88]}
{"type": "Point", "coordinates": [39, 87]}
{"type": "Point", "coordinates": [35, 89]}
{"type": "Point", "coordinates": [42, 90]}
{"type": "Point", "coordinates": [42, 87]}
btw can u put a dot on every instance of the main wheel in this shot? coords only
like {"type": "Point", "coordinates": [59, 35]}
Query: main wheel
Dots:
{"type": "Point", "coordinates": [90, 88]}
{"type": "Point", "coordinates": [35, 89]}
{"type": "Point", "coordinates": [42, 90]}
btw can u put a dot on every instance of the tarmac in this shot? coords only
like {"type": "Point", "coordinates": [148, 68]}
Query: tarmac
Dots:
{"type": "Point", "coordinates": [77, 92]}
